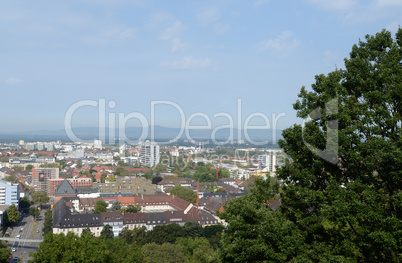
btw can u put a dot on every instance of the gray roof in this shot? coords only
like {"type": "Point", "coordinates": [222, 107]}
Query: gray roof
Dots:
{"type": "Point", "coordinates": [64, 188]}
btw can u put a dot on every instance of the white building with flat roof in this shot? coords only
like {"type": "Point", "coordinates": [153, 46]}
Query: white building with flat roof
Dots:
{"type": "Point", "coordinates": [149, 153]}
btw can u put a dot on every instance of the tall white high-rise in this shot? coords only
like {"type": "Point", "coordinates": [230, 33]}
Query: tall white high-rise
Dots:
{"type": "Point", "coordinates": [149, 153]}
{"type": "Point", "coordinates": [98, 144]}
{"type": "Point", "coordinates": [268, 161]}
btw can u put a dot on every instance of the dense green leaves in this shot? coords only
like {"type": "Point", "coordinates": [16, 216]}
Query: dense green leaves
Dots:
{"type": "Point", "coordinates": [13, 215]}
{"type": "Point", "coordinates": [100, 206]}
{"type": "Point", "coordinates": [184, 193]}
{"type": "Point", "coordinates": [5, 252]}
{"type": "Point", "coordinates": [71, 248]}
{"type": "Point", "coordinates": [341, 202]}
{"type": "Point", "coordinates": [47, 225]}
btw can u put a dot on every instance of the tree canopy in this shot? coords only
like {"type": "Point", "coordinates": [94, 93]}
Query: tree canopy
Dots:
{"type": "Point", "coordinates": [100, 206]}
{"type": "Point", "coordinates": [341, 197]}
{"type": "Point", "coordinates": [184, 193]}
{"type": "Point", "coordinates": [13, 215]}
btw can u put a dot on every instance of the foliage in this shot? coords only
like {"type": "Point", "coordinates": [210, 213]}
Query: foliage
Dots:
{"type": "Point", "coordinates": [168, 253]}
{"type": "Point", "coordinates": [18, 168]}
{"type": "Point", "coordinates": [184, 193]}
{"type": "Point", "coordinates": [132, 209]}
{"type": "Point", "coordinates": [5, 252]}
{"type": "Point", "coordinates": [116, 206]}
{"type": "Point", "coordinates": [156, 180]}
{"type": "Point", "coordinates": [71, 248]}
{"type": "Point", "coordinates": [48, 223]}
{"type": "Point", "coordinates": [346, 207]}
{"type": "Point", "coordinates": [13, 215]}
{"type": "Point", "coordinates": [79, 164]}
{"type": "Point", "coordinates": [34, 212]}
{"type": "Point", "coordinates": [11, 178]}
{"type": "Point", "coordinates": [100, 206]}
{"type": "Point", "coordinates": [24, 203]}
{"type": "Point", "coordinates": [107, 232]}
{"type": "Point", "coordinates": [40, 197]}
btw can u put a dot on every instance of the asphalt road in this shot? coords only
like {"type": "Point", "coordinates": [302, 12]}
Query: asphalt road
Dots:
{"type": "Point", "coordinates": [27, 229]}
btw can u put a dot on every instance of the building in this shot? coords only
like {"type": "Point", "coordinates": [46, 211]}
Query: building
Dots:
{"type": "Point", "coordinates": [74, 182]}
{"type": "Point", "coordinates": [128, 184]}
{"type": "Point", "coordinates": [98, 144]}
{"type": "Point", "coordinates": [268, 161]}
{"type": "Point", "coordinates": [9, 193]}
{"type": "Point", "coordinates": [41, 177]}
{"type": "Point", "coordinates": [66, 219]}
{"type": "Point", "coordinates": [149, 153]}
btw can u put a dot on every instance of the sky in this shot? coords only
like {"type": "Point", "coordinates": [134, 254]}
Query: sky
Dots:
{"type": "Point", "coordinates": [172, 62]}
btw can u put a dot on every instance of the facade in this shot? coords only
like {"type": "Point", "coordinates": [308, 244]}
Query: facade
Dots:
{"type": "Point", "coordinates": [66, 219]}
{"type": "Point", "coordinates": [74, 182]}
{"type": "Point", "coordinates": [9, 193]}
{"type": "Point", "coordinates": [41, 177]}
{"type": "Point", "coordinates": [268, 161]}
{"type": "Point", "coordinates": [149, 153]}
{"type": "Point", "coordinates": [98, 144]}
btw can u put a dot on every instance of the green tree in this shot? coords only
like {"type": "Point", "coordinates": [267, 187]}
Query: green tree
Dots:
{"type": "Point", "coordinates": [5, 252]}
{"type": "Point", "coordinates": [34, 212]}
{"type": "Point", "coordinates": [87, 231]}
{"type": "Point", "coordinates": [40, 197]}
{"type": "Point", "coordinates": [107, 232]}
{"type": "Point", "coordinates": [48, 223]}
{"type": "Point", "coordinates": [132, 209]}
{"type": "Point", "coordinates": [341, 197]}
{"type": "Point", "coordinates": [100, 206]}
{"type": "Point", "coordinates": [184, 193]}
{"type": "Point", "coordinates": [116, 206]}
{"type": "Point", "coordinates": [167, 253]}
{"type": "Point", "coordinates": [11, 178]}
{"type": "Point", "coordinates": [24, 203]}
{"type": "Point", "coordinates": [13, 215]}
{"type": "Point", "coordinates": [79, 164]}
{"type": "Point", "coordinates": [29, 167]}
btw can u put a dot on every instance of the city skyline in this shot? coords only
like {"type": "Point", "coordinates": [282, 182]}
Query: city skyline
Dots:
{"type": "Point", "coordinates": [203, 57]}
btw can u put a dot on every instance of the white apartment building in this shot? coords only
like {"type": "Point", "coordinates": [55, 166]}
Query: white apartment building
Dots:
{"type": "Point", "coordinates": [149, 153]}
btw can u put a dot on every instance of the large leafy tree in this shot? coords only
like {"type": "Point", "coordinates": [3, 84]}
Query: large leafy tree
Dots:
{"type": "Point", "coordinates": [350, 205]}
{"type": "Point", "coordinates": [184, 193]}
{"type": "Point", "coordinates": [100, 206]}
{"type": "Point", "coordinates": [24, 203]}
{"type": "Point", "coordinates": [5, 252]}
{"type": "Point", "coordinates": [40, 197]}
{"type": "Point", "coordinates": [13, 215]}
{"type": "Point", "coordinates": [341, 198]}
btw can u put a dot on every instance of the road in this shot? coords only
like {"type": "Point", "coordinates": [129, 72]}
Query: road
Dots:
{"type": "Point", "coordinates": [27, 229]}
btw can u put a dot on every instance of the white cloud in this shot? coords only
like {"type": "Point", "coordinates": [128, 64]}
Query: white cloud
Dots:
{"type": "Point", "coordinates": [12, 81]}
{"type": "Point", "coordinates": [208, 16]}
{"type": "Point", "coordinates": [222, 28]}
{"type": "Point", "coordinates": [284, 43]}
{"type": "Point", "coordinates": [173, 31]}
{"type": "Point", "coordinates": [260, 2]}
{"type": "Point", "coordinates": [338, 5]}
{"type": "Point", "coordinates": [177, 44]}
{"type": "Point", "coordinates": [187, 63]}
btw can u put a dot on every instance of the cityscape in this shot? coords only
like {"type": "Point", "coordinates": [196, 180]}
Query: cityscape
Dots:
{"type": "Point", "coordinates": [201, 131]}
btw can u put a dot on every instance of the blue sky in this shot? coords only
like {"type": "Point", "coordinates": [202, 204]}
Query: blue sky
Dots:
{"type": "Point", "coordinates": [203, 56]}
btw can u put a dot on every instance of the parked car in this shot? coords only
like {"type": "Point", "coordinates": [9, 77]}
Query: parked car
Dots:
{"type": "Point", "coordinates": [13, 250]}
{"type": "Point", "coordinates": [18, 236]}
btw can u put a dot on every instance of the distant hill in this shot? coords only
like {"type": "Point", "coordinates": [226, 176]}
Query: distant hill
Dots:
{"type": "Point", "coordinates": [161, 134]}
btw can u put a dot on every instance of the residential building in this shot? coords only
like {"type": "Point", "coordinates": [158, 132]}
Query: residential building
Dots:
{"type": "Point", "coordinates": [41, 177]}
{"type": "Point", "coordinates": [149, 153]}
{"type": "Point", "coordinates": [98, 144]}
{"type": "Point", "coordinates": [9, 193]}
